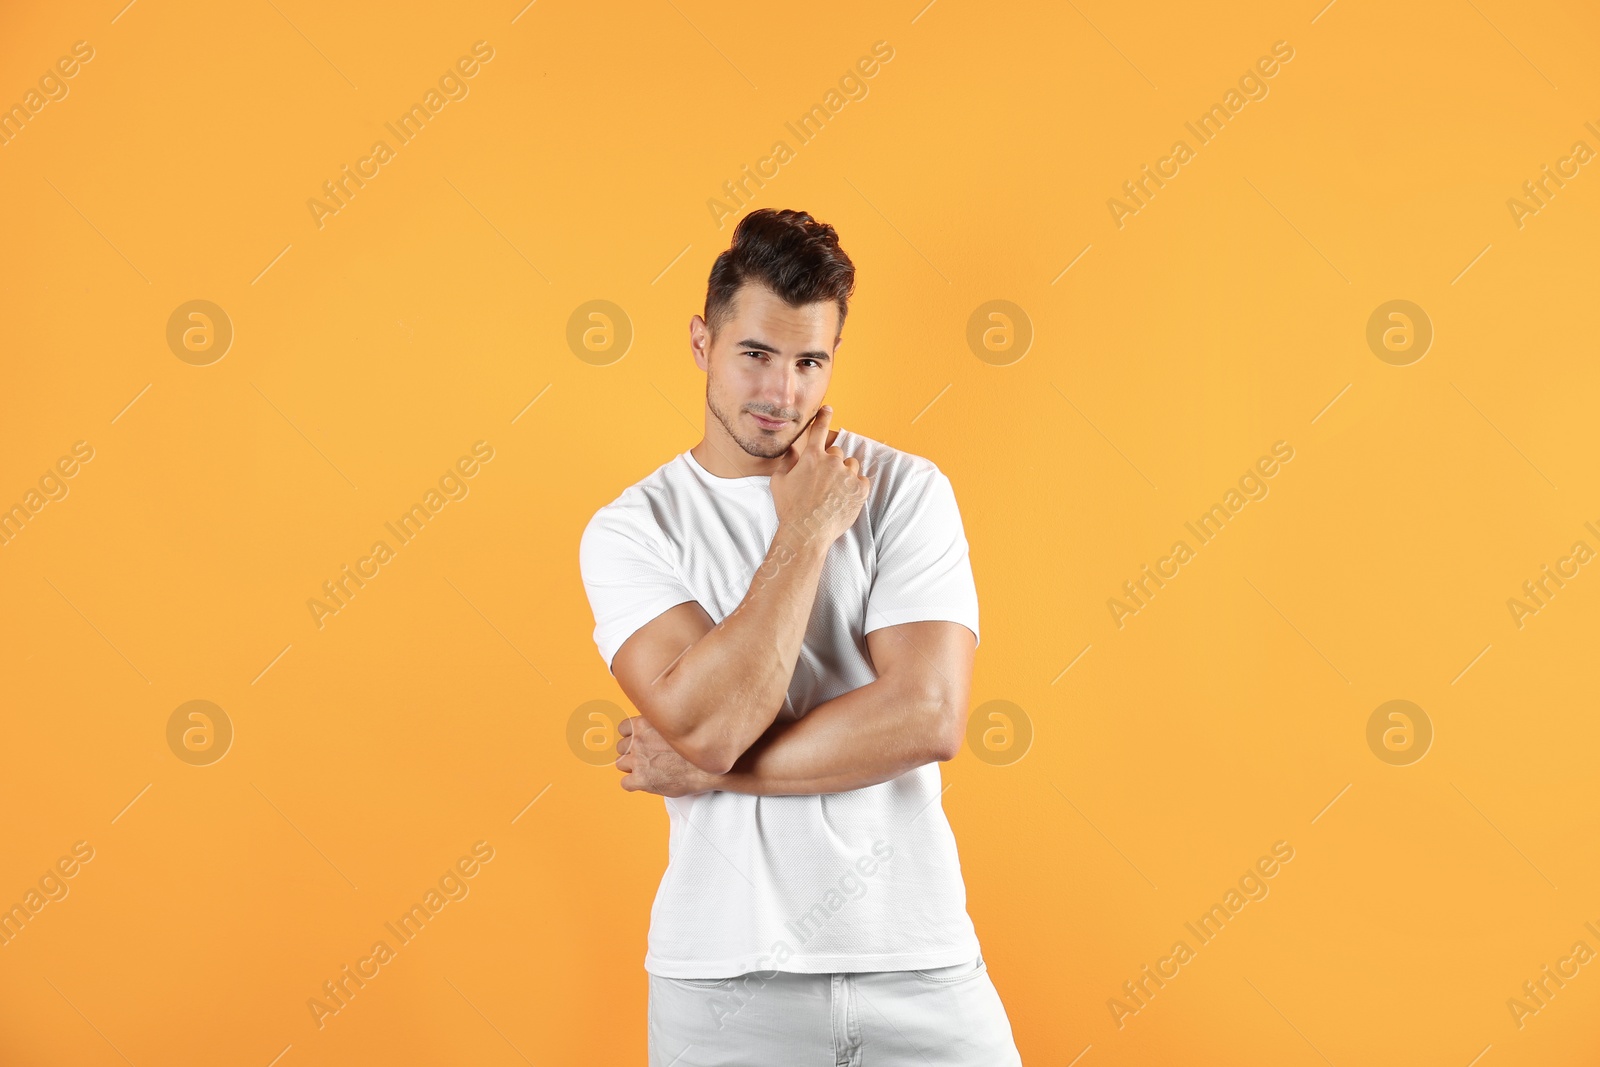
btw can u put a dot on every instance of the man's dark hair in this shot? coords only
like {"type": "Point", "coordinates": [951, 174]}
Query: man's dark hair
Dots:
{"type": "Point", "coordinates": [788, 252]}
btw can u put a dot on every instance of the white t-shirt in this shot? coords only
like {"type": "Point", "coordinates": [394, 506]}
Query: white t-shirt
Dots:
{"type": "Point", "coordinates": [864, 880]}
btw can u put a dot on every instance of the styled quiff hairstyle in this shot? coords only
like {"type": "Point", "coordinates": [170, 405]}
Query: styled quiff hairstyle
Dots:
{"type": "Point", "coordinates": [788, 252]}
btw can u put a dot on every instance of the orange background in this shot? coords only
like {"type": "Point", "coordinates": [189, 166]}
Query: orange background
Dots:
{"type": "Point", "coordinates": [369, 354]}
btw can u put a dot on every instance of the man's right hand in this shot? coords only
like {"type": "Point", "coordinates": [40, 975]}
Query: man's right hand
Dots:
{"type": "Point", "coordinates": [822, 492]}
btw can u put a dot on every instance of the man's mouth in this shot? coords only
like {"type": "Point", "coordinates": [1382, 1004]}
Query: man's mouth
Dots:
{"type": "Point", "coordinates": [766, 423]}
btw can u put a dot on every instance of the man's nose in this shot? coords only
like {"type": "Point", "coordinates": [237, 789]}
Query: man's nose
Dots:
{"type": "Point", "coordinates": [784, 390]}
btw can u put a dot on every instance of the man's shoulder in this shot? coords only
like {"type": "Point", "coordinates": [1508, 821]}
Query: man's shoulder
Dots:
{"type": "Point", "coordinates": [637, 506]}
{"type": "Point", "coordinates": [891, 470]}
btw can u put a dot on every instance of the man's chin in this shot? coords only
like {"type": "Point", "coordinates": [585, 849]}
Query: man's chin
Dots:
{"type": "Point", "coordinates": [767, 449]}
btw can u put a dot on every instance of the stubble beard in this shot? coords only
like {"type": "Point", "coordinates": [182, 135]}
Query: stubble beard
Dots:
{"type": "Point", "coordinates": [762, 447]}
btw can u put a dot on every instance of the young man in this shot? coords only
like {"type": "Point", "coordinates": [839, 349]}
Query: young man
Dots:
{"type": "Point", "coordinates": [791, 609]}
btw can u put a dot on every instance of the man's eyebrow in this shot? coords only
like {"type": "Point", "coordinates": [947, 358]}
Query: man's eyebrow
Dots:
{"type": "Point", "coordinates": [751, 344]}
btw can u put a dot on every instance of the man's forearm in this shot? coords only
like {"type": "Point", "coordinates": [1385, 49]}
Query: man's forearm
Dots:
{"type": "Point", "coordinates": [730, 684]}
{"type": "Point", "coordinates": [864, 737]}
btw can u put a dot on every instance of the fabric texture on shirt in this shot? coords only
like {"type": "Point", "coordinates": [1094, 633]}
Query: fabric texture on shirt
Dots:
{"type": "Point", "coordinates": [863, 880]}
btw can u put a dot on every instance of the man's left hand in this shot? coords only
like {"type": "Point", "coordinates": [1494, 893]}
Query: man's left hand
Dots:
{"type": "Point", "coordinates": [651, 765]}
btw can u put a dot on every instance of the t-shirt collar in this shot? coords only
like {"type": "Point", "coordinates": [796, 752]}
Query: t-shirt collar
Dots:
{"type": "Point", "coordinates": [733, 485]}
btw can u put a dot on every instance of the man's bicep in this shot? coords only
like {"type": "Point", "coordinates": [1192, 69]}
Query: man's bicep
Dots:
{"type": "Point", "coordinates": [646, 656]}
{"type": "Point", "coordinates": [931, 663]}
{"type": "Point", "coordinates": [938, 654]}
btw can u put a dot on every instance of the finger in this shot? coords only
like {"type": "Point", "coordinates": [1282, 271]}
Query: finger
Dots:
{"type": "Point", "coordinates": [623, 745]}
{"type": "Point", "coordinates": [626, 726]}
{"type": "Point", "coordinates": [628, 783]}
{"type": "Point", "coordinates": [818, 430]}
{"type": "Point", "coordinates": [624, 763]}
{"type": "Point", "coordinates": [802, 439]}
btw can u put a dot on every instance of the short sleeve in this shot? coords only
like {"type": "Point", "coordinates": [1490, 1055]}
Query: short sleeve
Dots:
{"type": "Point", "coordinates": [627, 576]}
{"type": "Point", "coordinates": [923, 570]}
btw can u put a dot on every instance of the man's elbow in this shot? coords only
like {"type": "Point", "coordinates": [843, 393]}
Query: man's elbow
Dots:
{"type": "Point", "coordinates": [949, 731]}
{"type": "Point", "coordinates": [947, 749]}
{"type": "Point", "coordinates": [703, 742]}
{"type": "Point", "coordinates": [708, 753]}
{"type": "Point", "coordinates": [710, 758]}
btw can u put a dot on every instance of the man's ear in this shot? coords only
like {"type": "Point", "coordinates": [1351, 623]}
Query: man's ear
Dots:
{"type": "Point", "coordinates": [700, 341]}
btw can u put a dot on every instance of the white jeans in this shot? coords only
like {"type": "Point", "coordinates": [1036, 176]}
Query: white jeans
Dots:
{"type": "Point", "coordinates": [943, 1017]}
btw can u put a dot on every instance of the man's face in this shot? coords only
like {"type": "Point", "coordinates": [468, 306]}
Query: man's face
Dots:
{"type": "Point", "coordinates": [767, 368]}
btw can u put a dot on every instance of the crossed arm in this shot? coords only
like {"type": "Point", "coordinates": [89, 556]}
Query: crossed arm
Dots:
{"type": "Point", "coordinates": [709, 695]}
